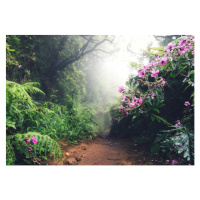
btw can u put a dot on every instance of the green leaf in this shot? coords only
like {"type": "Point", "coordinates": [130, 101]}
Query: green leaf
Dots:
{"type": "Point", "coordinates": [152, 118]}
{"type": "Point", "coordinates": [155, 109]}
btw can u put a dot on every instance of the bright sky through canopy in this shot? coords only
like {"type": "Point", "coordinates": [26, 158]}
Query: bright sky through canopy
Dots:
{"type": "Point", "coordinates": [118, 65]}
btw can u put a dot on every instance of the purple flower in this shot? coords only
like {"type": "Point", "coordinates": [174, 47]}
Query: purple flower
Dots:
{"type": "Point", "coordinates": [30, 149]}
{"type": "Point", "coordinates": [120, 108]}
{"type": "Point", "coordinates": [178, 124]}
{"type": "Point", "coordinates": [181, 144]}
{"type": "Point", "coordinates": [181, 43]}
{"type": "Point", "coordinates": [140, 100]}
{"type": "Point", "coordinates": [124, 98]}
{"type": "Point", "coordinates": [135, 99]}
{"type": "Point", "coordinates": [169, 46]}
{"type": "Point", "coordinates": [154, 73]}
{"type": "Point", "coordinates": [120, 89]}
{"type": "Point", "coordinates": [174, 162]}
{"type": "Point", "coordinates": [152, 95]}
{"type": "Point", "coordinates": [27, 141]}
{"type": "Point", "coordinates": [142, 73]}
{"type": "Point", "coordinates": [126, 111]}
{"type": "Point", "coordinates": [132, 104]}
{"type": "Point", "coordinates": [187, 103]}
{"type": "Point", "coordinates": [182, 50]}
{"type": "Point", "coordinates": [145, 67]}
{"type": "Point", "coordinates": [19, 66]}
{"type": "Point", "coordinates": [34, 140]}
{"type": "Point", "coordinates": [163, 60]}
{"type": "Point", "coordinates": [167, 161]}
{"type": "Point", "coordinates": [157, 58]}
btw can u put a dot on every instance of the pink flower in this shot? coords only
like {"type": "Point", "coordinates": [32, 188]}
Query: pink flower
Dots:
{"type": "Point", "coordinates": [140, 100]}
{"type": "Point", "coordinates": [30, 149]}
{"type": "Point", "coordinates": [182, 50]}
{"type": "Point", "coordinates": [167, 161]}
{"type": "Point", "coordinates": [142, 73]}
{"type": "Point", "coordinates": [169, 46]}
{"type": "Point", "coordinates": [152, 64]}
{"type": "Point", "coordinates": [124, 98]}
{"type": "Point", "coordinates": [152, 95]}
{"type": "Point", "coordinates": [139, 71]}
{"type": "Point", "coordinates": [187, 103]}
{"type": "Point", "coordinates": [157, 58]}
{"type": "Point", "coordinates": [181, 43]}
{"type": "Point", "coordinates": [181, 145]}
{"type": "Point", "coordinates": [163, 81]}
{"type": "Point", "coordinates": [120, 108]}
{"type": "Point", "coordinates": [154, 73]}
{"type": "Point", "coordinates": [120, 89]}
{"type": "Point", "coordinates": [126, 111]}
{"type": "Point", "coordinates": [19, 66]}
{"type": "Point", "coordinates": [135, 100]}
{"type": "Point", "coordinates": [163, 60]}
{"type": "Point", "coordinates": [145, 67]}
{"type": "Point", "coordinates": [132, 104]}
{"type": "Point", "coordinates": [27, 141]}
{"type": "Point", "coordinates": [174, 162]}
{"type": "Point", "coordinates": [34, 140]}
{"type": "Point", "coordinates": [178, 124]}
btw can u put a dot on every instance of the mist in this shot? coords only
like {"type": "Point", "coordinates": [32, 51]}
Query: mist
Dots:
{"type": "Point", "coordinates": [115, 65]}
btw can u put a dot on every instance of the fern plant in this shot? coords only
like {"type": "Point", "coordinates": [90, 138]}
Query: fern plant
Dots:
{"type": "Point", "coordinates": [10, 153]}
{"type": "Point", "coordinates": [178, 140]}
{"type": "Point", "coordinates": [19, 103]}
{"type": "Point", "coordinates": [36, 153]}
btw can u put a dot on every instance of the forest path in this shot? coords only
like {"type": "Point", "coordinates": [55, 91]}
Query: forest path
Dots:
{"type": "Point", "coordinates": [105, 151]}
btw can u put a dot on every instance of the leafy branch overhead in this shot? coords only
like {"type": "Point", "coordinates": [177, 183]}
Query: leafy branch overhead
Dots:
{"type": "Point", "coordinates": [90, 44]}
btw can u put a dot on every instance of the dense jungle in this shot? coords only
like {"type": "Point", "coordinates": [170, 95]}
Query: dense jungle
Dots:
{"type": "Point", "coordinates": [99, 100]}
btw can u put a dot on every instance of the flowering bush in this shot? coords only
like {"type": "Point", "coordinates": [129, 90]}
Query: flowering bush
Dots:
{"type": "Point", "coordinates": [177, 61]}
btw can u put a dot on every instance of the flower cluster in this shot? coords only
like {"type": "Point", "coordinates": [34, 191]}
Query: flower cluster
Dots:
{"type": "Point", "coordinates": [173, 52]}
{"type": "Point", "coordinates": [30, 149]}
{"type": "Point", "coordinates": [33, 140]}
{"type": "Point", "coordinates": [130, 103]}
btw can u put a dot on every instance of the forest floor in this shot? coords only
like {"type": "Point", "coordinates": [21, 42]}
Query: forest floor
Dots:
{"type": "Point", "coordinates": [105, 151]}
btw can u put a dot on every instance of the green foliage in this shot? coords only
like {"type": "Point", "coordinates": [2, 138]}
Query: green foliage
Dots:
{"type": "Point", "coordinates": [19, 103]}
{"type": "Point", "coordinates": [178, 139]}
{"type": "Point", "coordinates": [10, 153]}
{"type": "Point", "coordinates": [165, 108]}
{"type": "Point", "coordinates": [39, 153]}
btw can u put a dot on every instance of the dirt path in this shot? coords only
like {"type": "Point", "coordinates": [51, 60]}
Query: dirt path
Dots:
{"type": "Point", "coordinates": [103, 151]}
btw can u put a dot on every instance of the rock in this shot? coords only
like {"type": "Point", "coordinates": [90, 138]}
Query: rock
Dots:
{"type": "Point", "coordinates": [84, 148]}
{"type": "Point", "coordinates": [78, 159]}
{"type": "Point", "coordinates": [71, 161]}
{"type": "Point", "coordinates": [67, 154]}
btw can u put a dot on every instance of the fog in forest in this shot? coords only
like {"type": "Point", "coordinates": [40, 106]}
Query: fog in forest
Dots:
{"type": "Point", "coordinates": [116, 63]}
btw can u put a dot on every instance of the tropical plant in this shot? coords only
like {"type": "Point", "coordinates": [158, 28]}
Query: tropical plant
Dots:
{"type": "Point", "coordinates": [34, 148]}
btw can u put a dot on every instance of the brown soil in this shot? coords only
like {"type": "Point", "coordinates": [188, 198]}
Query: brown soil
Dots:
{"type": "Point", "coordinates": [104, 151]}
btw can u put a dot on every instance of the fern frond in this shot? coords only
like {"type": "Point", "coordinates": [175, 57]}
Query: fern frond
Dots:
{"type": "Point", "coordinates": [32, 88]}
{"type": "Point", "coordinates": [10, 154]}
{"type": "Point", "coordinates": [45, 145]}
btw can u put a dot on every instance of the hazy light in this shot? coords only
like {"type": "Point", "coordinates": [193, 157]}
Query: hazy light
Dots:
{"type": "Point", "coordinates": [117, 66]}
